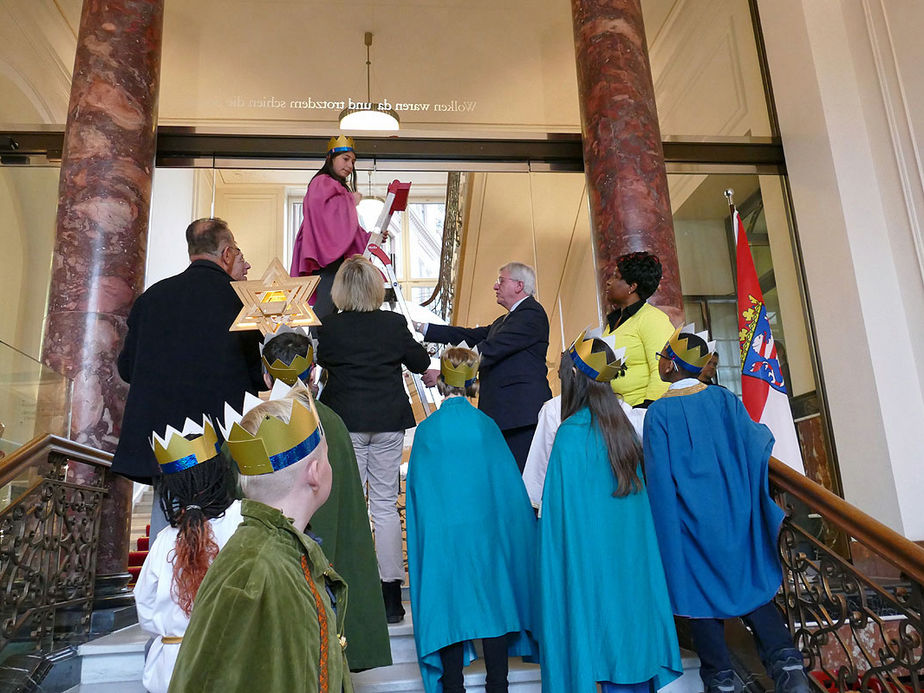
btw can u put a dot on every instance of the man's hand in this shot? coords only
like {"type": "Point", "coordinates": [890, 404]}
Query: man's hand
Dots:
{"type": "Point", "coordinates": [430, 376]}
{"type": "Point", "coordinates": [420, 326]}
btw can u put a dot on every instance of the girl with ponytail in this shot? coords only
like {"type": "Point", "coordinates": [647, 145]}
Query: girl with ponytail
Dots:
{"type": "Point", "coordinates": [198, 502]}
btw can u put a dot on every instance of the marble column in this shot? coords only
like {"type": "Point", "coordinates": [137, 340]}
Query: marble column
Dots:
{"type": "Point", "coordinates": [103, 202]}
{"type": "Point", "coordinates": [623, 159]}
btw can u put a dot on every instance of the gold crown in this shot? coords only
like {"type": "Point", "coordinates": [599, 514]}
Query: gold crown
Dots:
{"type": "Point", "coordinates": [289, 374]}
{"type": "Point", "coordinates": [462, 375]}
{"type": "Point", "coordinates": [691, 355]}
{"type": "Point", "coordinates": [339, 144]}
{"type": "Point", "coordinates": [175, 452]}
{"type": "Point", "coordinates": [276, 445]}
{"type": "Point", "coordinates": [594, 364]}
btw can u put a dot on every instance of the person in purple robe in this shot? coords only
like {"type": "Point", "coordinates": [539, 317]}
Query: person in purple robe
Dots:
{"type": "Point", "coordinates": [330, 229]}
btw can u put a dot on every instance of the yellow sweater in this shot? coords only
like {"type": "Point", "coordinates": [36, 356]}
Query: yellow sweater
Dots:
{"type": "Point", "coordinates": [642, 335]}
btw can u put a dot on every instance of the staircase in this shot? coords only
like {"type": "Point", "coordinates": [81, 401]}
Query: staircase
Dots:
{"type": "Point", "coordinates": [114, 664]}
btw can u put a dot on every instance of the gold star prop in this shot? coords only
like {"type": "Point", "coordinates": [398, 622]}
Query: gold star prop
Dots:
{"type": "Point", "coordinates": [275, 300]}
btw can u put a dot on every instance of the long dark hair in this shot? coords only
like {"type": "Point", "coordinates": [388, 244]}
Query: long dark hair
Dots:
{"type": "Point", "coordinates": [189, 499]}
{"type": "Point", "coordinates": [328, 170]}
{"type": "Point", "coordinates": [622, 445]}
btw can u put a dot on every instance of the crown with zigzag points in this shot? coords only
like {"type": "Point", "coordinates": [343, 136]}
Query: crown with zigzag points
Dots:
{"type": "Point", "coordinates": [276, 444]}
{"type": "Point", "coordinates": [690, 349]}
{"type": "Point", "coordinates": [288, 373]}
{"type": "Point", "coordinates": [179, 450]}
{"type": "Point", "coordinates": [594, 364]}
{"type": "Point", "coordinates": [462, 375]}
{"type": "Point", "coordinates": [340, 144]}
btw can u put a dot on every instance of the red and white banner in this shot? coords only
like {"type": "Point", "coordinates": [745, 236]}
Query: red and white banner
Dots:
{"type": "Point", "coordinates": [762, 388]}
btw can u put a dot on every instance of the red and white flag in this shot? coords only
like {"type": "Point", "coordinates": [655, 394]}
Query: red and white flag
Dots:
{"type": "Point", "coordinates": [762, 388]}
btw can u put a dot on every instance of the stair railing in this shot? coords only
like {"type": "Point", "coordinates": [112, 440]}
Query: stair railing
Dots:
{"type": "Point", "coordinates": [49, 535]}
{"type": "Point", "coordinates": [857, 632]}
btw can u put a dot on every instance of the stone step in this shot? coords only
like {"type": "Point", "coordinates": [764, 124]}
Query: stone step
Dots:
{"type": "Point", "coordinates": [117, 657]}
{"type": "Point", "coordinates": [405, 678]}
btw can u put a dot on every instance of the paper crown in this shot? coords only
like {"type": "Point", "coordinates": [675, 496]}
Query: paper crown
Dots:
{"type": "Point", "coordinates": [288, 373]}
{"type": "Point", "coordinates": [690, 349]}
{"type": "Point", "coordinates": [276, 445]}
{"type": "Point", "coordinates": [594, 364]}
{"type": "Point", "coordinates": [175, 452]}
{"type": "Point", "coordinates": [339, 144]}
{"type": "Point", "coordinates": [462, 375]}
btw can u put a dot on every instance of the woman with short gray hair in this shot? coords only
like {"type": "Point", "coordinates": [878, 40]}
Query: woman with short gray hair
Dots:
{"type": "Point", "coordinates": [363, 349]}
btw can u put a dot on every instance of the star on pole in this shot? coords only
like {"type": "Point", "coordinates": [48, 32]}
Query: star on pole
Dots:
{"type": "Point", "coordinates": [275, 300]}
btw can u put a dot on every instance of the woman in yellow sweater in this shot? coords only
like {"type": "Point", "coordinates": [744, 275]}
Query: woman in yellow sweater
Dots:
{"type": "Point", "coordinates": [638, 326]}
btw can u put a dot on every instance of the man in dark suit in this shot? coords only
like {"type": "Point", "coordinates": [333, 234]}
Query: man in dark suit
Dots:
{"type": "Point", "coordinates": [513, 374]}
{"type": "Point", "coordinates": [179, 358]}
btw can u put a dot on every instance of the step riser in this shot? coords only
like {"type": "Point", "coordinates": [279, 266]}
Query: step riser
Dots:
{"type": "Point", "coordinates": [113, 667]}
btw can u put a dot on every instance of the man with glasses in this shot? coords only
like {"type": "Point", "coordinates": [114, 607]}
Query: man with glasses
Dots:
{"type": "Point", "coordinates": [513, 348]}
{"type": "Point", "coordinates": [178, 356]}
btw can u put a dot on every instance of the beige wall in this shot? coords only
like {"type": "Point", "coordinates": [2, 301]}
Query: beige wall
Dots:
{"type": "Point", "coordinates": [541, 219]}
{"type": "Point", "coordinates": [850, 148]}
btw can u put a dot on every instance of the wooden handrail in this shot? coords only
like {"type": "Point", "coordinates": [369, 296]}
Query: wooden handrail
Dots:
{"type": "Point", "coordinates": [42, 446]}
{"type": "Point", "coordinates": [901, 552]}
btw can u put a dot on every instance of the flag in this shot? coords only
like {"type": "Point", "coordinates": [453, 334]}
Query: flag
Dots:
{"type": "Point", "coordinates": [762, 388]}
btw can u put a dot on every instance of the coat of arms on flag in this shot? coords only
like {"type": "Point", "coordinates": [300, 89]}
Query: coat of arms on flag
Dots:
{"type": "Point", "coordinates": [762, 388]}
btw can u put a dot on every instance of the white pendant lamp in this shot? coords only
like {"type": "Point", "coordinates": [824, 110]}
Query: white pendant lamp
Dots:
{"type": "Point", "coordinates": [370, 116]}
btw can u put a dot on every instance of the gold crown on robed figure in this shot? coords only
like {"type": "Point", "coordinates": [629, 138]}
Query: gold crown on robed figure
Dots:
{"type": "Point", "coordinates": [276, 445]}
{"type": "Point", "coordinates": [690, 349]}
{"type": "Point", "coordinates": [179, 450]}
{"type": "Point", "coordinates": [594, 364]}
{"type": "Point", "coordinates": [462, 375]}
{"type": "Point", "coordinates": [292, 372]}
{"type": "Point", "coordinates": [339, 144]}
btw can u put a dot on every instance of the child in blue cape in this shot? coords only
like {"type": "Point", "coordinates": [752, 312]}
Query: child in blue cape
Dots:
{"type": "Point", "coordinates": [471, 536]}
{"type": "Point", "coordinates": [604, 611]}
{"type": "Point", "coordinates": [706, 464]}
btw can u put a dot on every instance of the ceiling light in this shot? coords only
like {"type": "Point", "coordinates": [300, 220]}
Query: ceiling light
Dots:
{"type": "Point", "coordinates": [369, 115]}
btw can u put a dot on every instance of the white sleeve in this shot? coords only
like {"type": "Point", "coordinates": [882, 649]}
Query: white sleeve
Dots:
{"type": "Point", "coordinates": [541, 448]}
{"type": "Point", "coordinates": [146, 588]}
{"type": "Point", "coordinates": [636, 416]}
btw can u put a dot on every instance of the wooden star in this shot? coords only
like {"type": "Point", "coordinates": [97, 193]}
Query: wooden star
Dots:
{"type": "Point", "coordinates": [275, 300]}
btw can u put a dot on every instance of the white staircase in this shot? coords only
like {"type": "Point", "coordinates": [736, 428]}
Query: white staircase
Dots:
{"type": "Point", "coordinates": [113, 664]}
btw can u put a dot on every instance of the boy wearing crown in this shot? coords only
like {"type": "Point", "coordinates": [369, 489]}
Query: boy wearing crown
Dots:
{"type": "Point", "coordinates": [471, 570]}
{"type": "Point", "coordinates": [269, 613]}
{"type": "Point", "coordinates": [343, 522]}
{"type": "Point", "coordinates": [706, 463]}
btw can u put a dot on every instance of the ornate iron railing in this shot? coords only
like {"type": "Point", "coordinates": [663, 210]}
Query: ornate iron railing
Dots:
{"type": "Point", "coordinates": [856, 632]}
{"type": "Point", "coordinates": [49, 531]}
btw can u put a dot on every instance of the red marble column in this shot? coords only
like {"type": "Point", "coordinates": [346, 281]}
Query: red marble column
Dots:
{"type": "Point", "coordinates": [103, 202]}
{"type": "Point", "coordinates": [623, 158]}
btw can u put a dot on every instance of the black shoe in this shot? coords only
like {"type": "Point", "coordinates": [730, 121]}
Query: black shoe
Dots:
{"type": "Point", "coordinates": [725, 681]}
{"type": "Point", "coordinates": [788, 672]}
{"type": "Point", "coordinates": [391, 593]}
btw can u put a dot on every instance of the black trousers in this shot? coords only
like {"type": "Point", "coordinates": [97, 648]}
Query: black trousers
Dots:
{"type": "Point", "coordinates": [518, 440]}
{"type": "Point", "coordinates": [766, 622]}
{"type": "Point", "coordinates": [323, 303]}
{"type": "Point", "coordinates": [495, 663]}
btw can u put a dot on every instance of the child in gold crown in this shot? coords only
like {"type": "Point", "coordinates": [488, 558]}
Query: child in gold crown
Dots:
{"type": "Point", "coordinates": [195, 492]}
{"type": "Point", "coordinates": [706, 465]}
{"type": "Point", "coordinates": [470, 539]}
{"type": "Point", "coordinates": [269, 614]}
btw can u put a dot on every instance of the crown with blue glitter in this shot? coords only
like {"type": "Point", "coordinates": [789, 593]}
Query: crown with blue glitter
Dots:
{"type": "Point", "coordinates": [594, 364]}
{"type": "Point", "coordinates": [340, 144]}
{"type": "Point", "coordinates": [276, 445]}
{"type": "Point", "coordinates": [689, 349]}
{"type": "Point", "coordinates": [178, 450]}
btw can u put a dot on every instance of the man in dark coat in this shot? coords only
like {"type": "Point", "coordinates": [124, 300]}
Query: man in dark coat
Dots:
{"type": "Point", "coordinates": [179, 358]}
{"type": "Point", "coordinates": [513, 373]}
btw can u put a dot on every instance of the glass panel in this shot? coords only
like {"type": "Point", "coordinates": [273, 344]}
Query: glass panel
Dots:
{"type": "Point", "coordinates": [706, 71]}
{"type": "Point", "coordinates": [425, 225]}
{"type": "Point", "coordinates": [34, 400]}
{"type": "Point", "coordinates": [28, 203]}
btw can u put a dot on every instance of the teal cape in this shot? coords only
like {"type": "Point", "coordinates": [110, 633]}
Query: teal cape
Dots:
{"type": "Point", "coordinates": [604, 611]}
{"type": "Point", "coordinates": [706, 463]}
{"type": "Point", "coordinates": [471, 536]}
